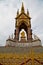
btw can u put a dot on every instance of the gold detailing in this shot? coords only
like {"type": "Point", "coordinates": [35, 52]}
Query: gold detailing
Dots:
{"type": "Point", "coordinates": [23, 34]}
{"type": "Point", "coordinates": [22, 8]}
{"type": "Point", "coordinates": [21, 58]}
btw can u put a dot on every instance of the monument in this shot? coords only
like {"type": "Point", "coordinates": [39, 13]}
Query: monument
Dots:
{"type": "Point", "coordinates": [22, 49]}
{"type": "Point", "coordinates": [23, 21]}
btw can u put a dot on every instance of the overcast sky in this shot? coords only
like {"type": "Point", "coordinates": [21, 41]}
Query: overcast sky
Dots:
{"type": "Point", "coordinates": [8, 9]}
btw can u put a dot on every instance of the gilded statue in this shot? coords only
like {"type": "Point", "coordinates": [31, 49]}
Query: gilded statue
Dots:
{"type": "Point", "coordinates": [22, 34]}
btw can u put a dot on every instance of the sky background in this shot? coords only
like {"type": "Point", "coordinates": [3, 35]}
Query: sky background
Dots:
{"type": "Point", "coordinates": [8, 9]}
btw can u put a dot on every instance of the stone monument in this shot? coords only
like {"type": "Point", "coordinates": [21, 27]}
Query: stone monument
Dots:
{"type": "Point", "coordinates": [23, 21]}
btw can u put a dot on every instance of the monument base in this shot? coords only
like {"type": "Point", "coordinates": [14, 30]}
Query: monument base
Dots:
{"type": "Point", "coordinates": [23, 44]}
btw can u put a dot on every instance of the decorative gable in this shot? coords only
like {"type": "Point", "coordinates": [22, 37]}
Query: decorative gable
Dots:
{"type": "Point", "coordinates": [23, 18]}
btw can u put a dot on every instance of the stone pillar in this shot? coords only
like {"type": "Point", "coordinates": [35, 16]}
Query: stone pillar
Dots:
{"type": "Point", "coordinates": [17, 33]}
{"type": "Point", "coordinates": [29, 35]}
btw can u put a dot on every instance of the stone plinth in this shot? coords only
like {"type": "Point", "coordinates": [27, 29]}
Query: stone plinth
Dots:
{"type": "Point", "coordinates": [23, 39]}
{"type": "Point", "coordinates": [23, 43]}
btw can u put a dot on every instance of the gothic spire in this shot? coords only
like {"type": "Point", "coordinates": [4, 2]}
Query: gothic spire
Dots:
{"type": "Point", "coordinates": [22, 8]}
{"type": "Point", "coordinates": [17, 12]}
{"type": "Point", "coordinates": [27, 12]}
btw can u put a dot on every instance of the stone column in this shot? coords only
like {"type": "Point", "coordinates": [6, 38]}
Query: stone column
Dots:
{"type": "Point", "coordinates": [17, 33]}
{"type": "Point", "coordinates": [29, 35]}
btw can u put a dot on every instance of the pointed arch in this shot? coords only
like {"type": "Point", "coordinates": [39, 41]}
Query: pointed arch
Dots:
{"type": "Point", "coordinates": [22, 30]}
{"type": "Point", "coordinates": [23, 26]}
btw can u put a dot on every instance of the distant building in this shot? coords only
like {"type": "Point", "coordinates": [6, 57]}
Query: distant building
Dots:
{"type": "Point", "coordinates": [22, 49]}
